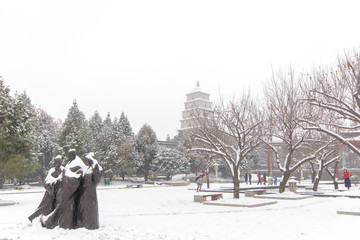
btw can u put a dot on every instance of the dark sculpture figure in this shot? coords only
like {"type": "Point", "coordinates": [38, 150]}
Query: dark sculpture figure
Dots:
{"type": "Point", "coordinates": [65, 214]}
{"type": "Point", "coordinates": [88, 216]}
{"type": "Point", "coordinates": [52, 185]}
{"type": "Point", "coordinates": [76, 201]}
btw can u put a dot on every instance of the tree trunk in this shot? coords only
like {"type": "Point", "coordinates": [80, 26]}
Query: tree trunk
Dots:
{"type": "Point", "coordinates": [43, 174]}
{"type": "Point", "coordinates": [317, 180]}
{"type": "Point", "coordinates": [236, 184]}
{"type": "Point", "coordinates": [207, 178]}
{"type": "Point", "coordinates": [285, 178]}
{"type": "Point", "coordinates": [333, 177]}
{"type": "Point", "coordinates": [313, 172]}
{"type": "Point", "coordinates": [2, 181]}
{"type": "Point", "coordinates": [146, 176]}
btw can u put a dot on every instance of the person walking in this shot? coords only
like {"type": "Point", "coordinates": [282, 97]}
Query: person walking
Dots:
{"type": "Point", "coordinates": [199, 182]}
{"type": "Point", "coordinates": [259, 179]}
{"type": "Point", "coordinates": [346, 178]}
{"type": "Point", "coordinates": [246, 178]}
{"type": "Point", "coordinates": [250, 178]}
{"type": "Point", "coordinates": [275, 180]}
{"type": "Point", "coordinates": [264, 177]}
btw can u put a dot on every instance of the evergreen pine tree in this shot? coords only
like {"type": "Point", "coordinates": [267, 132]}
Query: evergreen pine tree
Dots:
{"type": "Point", "coordinates": [95, 128]}
{"type": "Point", "coordinates": [107, 151]}
{"type": "Point", "coordinates": [126, 150]}
{"type": "Point", "coordinates": [170, 162]}
{"type": "Point", "coordinates": [125, 126]}
{"type": "Point", "coordinates": [147, 148]}
{"type": "Point", "coordinates": [75, 132]}
{"type": "Point", "coordinates": [6, 148]}
{"type": "Point", "coordinates": [47, 133]}
{"type": "Point", "coordinates": [22, 161]}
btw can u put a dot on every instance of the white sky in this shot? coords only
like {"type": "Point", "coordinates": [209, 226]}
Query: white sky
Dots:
{"type": "Point", "coordinates": [142, 57]}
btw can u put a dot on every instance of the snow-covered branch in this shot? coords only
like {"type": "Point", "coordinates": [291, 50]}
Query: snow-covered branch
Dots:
{"type": "Point", "coordinates": [334, 135]}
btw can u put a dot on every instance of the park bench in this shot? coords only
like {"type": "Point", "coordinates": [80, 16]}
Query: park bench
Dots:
{"type": "Point", "coordinates": [253, 192]}
{"type": "Point", "coordinates": [134, 185]}
{"type": "Point", "coordinates": [201, 197]}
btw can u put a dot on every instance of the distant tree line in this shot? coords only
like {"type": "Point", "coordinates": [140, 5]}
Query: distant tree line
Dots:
{"type": "Point", "coordinates": [30, 138]}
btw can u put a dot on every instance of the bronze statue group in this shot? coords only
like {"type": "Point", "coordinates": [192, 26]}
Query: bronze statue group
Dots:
{"type": "Point", "coordinates": [70, 199]}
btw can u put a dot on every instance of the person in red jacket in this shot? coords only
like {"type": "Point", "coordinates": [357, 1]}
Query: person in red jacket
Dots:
{"type": "Point", "coordinates": [346, 177]}
{"type": "Point", "coordinates": [259, 179]}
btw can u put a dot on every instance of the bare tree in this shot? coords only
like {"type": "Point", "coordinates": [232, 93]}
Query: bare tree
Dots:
{"type": "Point", "coordinates": [323, 161]}
{"type": "Point", "coordinates": [333, 176]}
{"type": "Point", "coordinates": [284, 100]}
{"type": "Point", "coordinates": [337, 91]}
{"type": "Point", "coordinates": [231, 131]}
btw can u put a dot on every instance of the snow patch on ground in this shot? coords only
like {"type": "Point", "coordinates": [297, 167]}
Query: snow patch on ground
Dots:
{"type": "Point", "coordinates": [6, 203]}
{"type": "Point", "coordinates": [171, 213]}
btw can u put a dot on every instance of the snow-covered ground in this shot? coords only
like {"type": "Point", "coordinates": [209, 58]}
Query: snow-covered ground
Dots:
{"type": "Point", "coordinates": [170, 213]}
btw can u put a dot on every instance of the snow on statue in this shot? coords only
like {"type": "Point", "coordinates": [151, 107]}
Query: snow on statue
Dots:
{"type": "Point", "coordinates": [88, 207]}
{"type": "Point", "coordinates": [52, 184]}
{"type": "Point", "coordinates": [76, 200]}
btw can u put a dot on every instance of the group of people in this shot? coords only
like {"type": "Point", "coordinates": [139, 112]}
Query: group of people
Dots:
{"type": "Point", "coordinates": [70, 199]}
{"type": "Point", "coordinates": [261, 179]}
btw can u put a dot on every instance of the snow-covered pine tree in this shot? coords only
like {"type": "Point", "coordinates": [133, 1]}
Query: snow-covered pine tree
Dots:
{"type": "Point", "coordinates": [22, 162]}
{"type": "Point", "coordinates": [147, 148]}
{"type": "Point", "coordinates": [74, 132]}
{"type": "Point", "coordinates": [127, 158]}
{"type": "Point", "coordinates": [95, 125]}
{"type": "Point", "coordinates": [107, 147]}
{"type": "Point", "coordinates": [249, 163]}
{"type": "Point", "coordinates": [47, 133]}
{"type": "Point", "coordinates": [6, 149]}
{"type": "Point", "coordinates": [125, 126]}
{"type": "Point", "coordinates": [127, 155]}
{"type": "Point", "coordinates": [170, 162]}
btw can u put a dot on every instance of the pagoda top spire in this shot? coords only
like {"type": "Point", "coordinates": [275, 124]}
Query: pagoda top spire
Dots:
{"type": "Point", "coordinates": [197, 89]}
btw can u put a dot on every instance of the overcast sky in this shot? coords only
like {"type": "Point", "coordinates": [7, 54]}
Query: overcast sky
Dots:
{"type": "Point", "coordinates": [143, 57]}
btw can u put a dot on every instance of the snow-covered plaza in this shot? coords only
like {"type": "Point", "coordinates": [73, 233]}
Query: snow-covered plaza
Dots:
{"type": "Point", "coordinates": [169, 212]}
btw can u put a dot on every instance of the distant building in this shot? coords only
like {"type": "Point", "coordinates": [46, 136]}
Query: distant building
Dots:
{"type": "Point", "coordinates": [196, 101]}
{"type": "Point", "coordinates": [168, 144]}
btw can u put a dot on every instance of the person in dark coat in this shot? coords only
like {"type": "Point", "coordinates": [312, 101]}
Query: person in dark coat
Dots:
{"type": "Point", "coordinates": [65, 214]}
{"type": "Point", "coordinates": [264, 177]}
{"type": "Point", "coordinates": [246, 178]}
{"type": "Point", "coordinates": [346, 178]}
{"type": "Point", "coordinates": [250, 178]}
{"type": "Point", "coordinates": [88, 207]}
{"type": "Point", "coordinates": [52, 185]}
